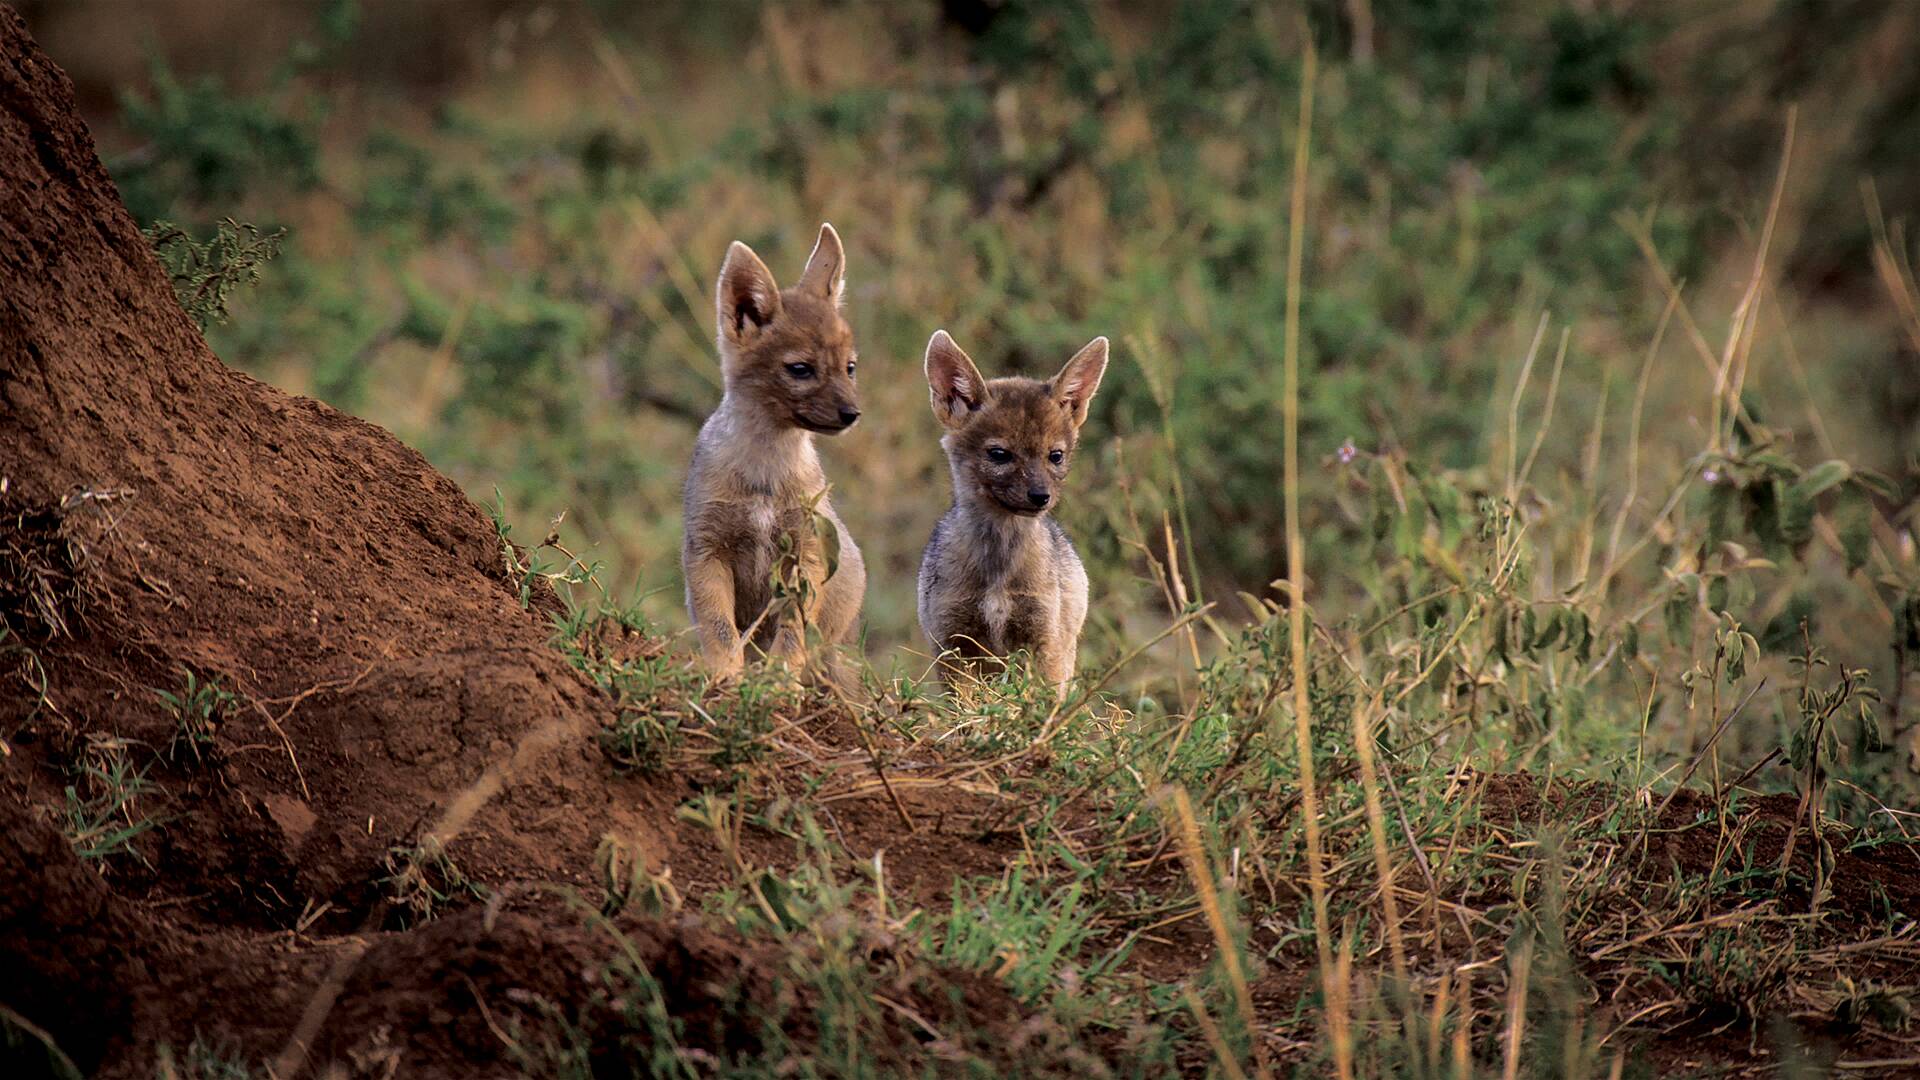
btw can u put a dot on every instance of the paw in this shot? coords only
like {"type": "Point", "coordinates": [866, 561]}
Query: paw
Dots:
{"type": "Point", "coordinates": [788, 645]}
{"type": "Point", "coordinates": [722, 665]}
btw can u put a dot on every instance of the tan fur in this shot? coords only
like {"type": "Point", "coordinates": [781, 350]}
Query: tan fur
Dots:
{"type": "Point", "coordinates": [755, 480]}
{"type": "Point", "coordinates": [999, 575]}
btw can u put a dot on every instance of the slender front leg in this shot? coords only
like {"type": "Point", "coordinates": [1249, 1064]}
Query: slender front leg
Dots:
{"type": "Point", "coordinates": [1056, 661]}
{"type": "Point", "coordinates": [710, 604]}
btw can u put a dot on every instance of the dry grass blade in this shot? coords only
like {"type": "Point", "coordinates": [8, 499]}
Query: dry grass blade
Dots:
{"type": "Point", "coordinates": [1196, 859]}
{"type": "Point", "coordinates": [1210, 1031]}
{"type": "Point", "coordinates": [1546, 418]}
{"type": "Point", "coordinates": [1521, 970]}
{"type": "Point", "coordinates": [1892, 270]}
{"type": "Point", "coordinates": [1633, 446]}
{"type": "Point", "coordinates": [1377, 831]}
{"type": "Point", "coordinates": [1731, 376]}
{"type": "Point", "coordinates": [1297, 555]}
{"type": "Point", "coordinates": [1513, 409]}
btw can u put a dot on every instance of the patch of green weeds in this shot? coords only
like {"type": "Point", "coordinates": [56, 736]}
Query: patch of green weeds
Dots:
{"type": "Point", "coordinates": [104, 805]}
{"type": "Point", "coordinates": [199, 709]}
{"type": "Point", "coordinates": [627, 883]}
{"type": "Point", "coordinates": [1029, 934]}
{"type": "Point", "coordinates": [201, 1060]}
{"type": "Point", "coordinates": [422, 880]}
{"type": "Point", "coordinates": [743, 716]}
{"type": "Point", "coordinates": [205, 274]}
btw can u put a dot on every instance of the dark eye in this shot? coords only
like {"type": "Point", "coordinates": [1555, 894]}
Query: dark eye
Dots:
{"type": "Point", "coordinates": [849, 367]}
{"type": "Point", "coordinates": [1056, 456]}
{"type": "Point", "coordinates": [998, 455]}
{"type": "Point", "coordinates": [800, 371]}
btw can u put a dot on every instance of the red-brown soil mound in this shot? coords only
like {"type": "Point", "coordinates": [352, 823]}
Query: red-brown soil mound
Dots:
{"type": "Point", "coordinates": [160, 515]}
{"type": "Point", "coordinates": [304, 559]}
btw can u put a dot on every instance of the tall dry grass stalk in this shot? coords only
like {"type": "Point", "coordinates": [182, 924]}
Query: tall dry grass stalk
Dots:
{"type": "Point", "coordinates": [1377, 830]}
{"type": "Point", "coordinates": [1513, 409]}
{"type": "Point", "coordinates": [1337, 1020]}
{"type": "Point", "coordinates": [1195, 855]}
{"type": "Point", "coordinates": [1517, 977]}
{"type": "Point", "coordinates": [1210, 1031]}
{"type": "Point", "coordinates": [1890, 262]}
{"type": "Point", "coordinates": [1731, 378]}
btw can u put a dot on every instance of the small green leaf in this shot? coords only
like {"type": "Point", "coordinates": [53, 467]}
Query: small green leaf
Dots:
{"type": "Point", "coordinates": [1872, 739]}
{"type": "Point", "coordinates": [1878, 483]}
{"type": "Point", "coordinates": [1822, 477]}
{"type": "Point", "coordinates": [1853, 520]}
{"type": "Point", "coordinates": [1720, 502]}
{"type": "Point", "coordinates": [829, 537]}
{"type": "Point", "coordinates": [1550, 629]}
{"type": "Point", "coordinates": [1740, 592]}
{"type": "Point", "coordinates": [1795, 510]}
{"type": "Point", "coordinates": [1717, 593]}
{"type": "Point", "coordinates": [1679, 615]}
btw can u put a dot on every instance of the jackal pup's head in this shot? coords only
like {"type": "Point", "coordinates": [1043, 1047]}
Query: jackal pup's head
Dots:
{"type": "Point", "coordinates": [787, 351]}
{"type": "Point", "coordinates": [1010, 440]}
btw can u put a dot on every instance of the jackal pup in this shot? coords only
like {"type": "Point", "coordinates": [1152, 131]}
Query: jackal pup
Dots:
{"type": "Point", "coordinates": [755, 483]}
{"type": "Point", "coordinates": [999, 575]}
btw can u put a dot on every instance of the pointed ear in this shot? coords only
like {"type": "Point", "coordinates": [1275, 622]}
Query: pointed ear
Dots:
{"type": "Point", "coordinates": [953, 383]}
{"type": "Point", "coordinates": [1073, 388]}
{"type": "Point", "coordinates": [826, 272]}
{"type": "Point", "coordinates": [745, 298]}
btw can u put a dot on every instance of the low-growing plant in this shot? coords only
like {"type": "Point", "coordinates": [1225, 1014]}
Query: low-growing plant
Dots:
{"type": "Point", "coordinates": [744, 715]}
{"type": "Point", "coordinates": [105, 811]}
{"type": "Point", "coordinates": [422, 880]}
{"type": "Point", "coordinates": [526, 567]}
{"type": "Point", "coordinates": [627, 883]}
{"type": "Point", "coordinates": [1030, 935]}
{"type": "Point", "coordinates": [205, 274]}
{"type": "Point", "coordinates": [201, 1060]}
{"type": "Point", "coordinates": [199, 710]}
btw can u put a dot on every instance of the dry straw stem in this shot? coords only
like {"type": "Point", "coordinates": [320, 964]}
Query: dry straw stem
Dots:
{"type": "Point", "coordinates": [1513, 409]}
{"type": "Point", "coordinates": [1633, 445]}
{"type": "Point", "coordinates": [1196, 859]}
{"type": "Point", "coordinates": [1517, 1008]}
{"type": "Point", "coordinates": [1732, 375]}
{"type": "Point", "coordinates": [1146, 345]}
{"type": "Point", "coordinates": [1546, 418]}
{"type": "Point", "coordinates": [1890, 262]}
{"type": "Point", "coordinates": [1296, 561]}
{"type": "Point", "coordinates": [1377, 828]}
{"type": "Point", "coordinates": [692, 352]}
{"type": "Point", "coordinates": [1727, 406]}
{"type": "Point", "coordinates": [1210, 1031]}
{"type": "Point", "coordinates": [1642, 236]}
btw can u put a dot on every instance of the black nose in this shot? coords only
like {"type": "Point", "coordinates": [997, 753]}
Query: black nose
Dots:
{"type": "Point", "coordinates": [848, 416]}
{"type": "Point", "coordinates": [1038, 498]}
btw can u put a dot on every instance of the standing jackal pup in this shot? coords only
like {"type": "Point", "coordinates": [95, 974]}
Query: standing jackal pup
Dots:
{"type": "Point", "coordinates": [755, 484]}
{"type": "Point", "coordinates": [999, 575]}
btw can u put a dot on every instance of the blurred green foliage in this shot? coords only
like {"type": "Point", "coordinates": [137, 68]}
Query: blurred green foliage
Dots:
{"type": "Point", "coordinates": [522, 292]}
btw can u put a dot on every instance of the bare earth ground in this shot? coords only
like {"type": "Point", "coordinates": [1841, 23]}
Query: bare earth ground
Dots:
{"type": "Point", "coordinates": [162, 513]}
